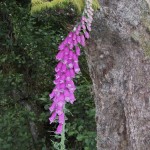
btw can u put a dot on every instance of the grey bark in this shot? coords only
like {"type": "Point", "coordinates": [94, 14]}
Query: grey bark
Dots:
{"type": "Point", "coordinates": [119, 65]}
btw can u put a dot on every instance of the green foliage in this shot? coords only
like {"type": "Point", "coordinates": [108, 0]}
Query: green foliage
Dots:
{"type": "Point", "coordinates": [38, 5]}
{"type": "Point", "coordinates": [14, 130]}
{"type": "Point", "coordinates": [27, 60]}
{"type": "Point", "coordinates": [81, 124]}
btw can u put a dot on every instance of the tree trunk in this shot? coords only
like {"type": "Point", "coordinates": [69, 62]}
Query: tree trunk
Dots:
{"type": "Point", "coordinates": [119, 65]}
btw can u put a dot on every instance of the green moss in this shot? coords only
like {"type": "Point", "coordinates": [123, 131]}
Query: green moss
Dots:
{"type": "Point", "coordinates": [143, 40]}
{"type": "Point", "coordinates": [136, 37]}
{"type": "Point", "coordinates": [142, 36]}
{"type": "Point", "coordinates": [39, 5]}
{"type": "Point", "coordinates": [146, 47]}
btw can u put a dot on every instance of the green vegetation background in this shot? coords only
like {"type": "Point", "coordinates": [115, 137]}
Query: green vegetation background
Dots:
{"type": "Point", "coordinates": [29, 37]}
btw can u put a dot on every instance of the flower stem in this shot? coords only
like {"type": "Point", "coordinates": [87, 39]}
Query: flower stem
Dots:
{"type": "Point", "coordinates": [63, 135]}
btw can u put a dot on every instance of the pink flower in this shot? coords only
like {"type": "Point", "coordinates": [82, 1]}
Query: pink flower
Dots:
{"type": "Point", "coordinates": [57, 76]}
{"type": "Point", "coordinates": [66, 51]}
{"type": "Point", "coordinates": [61, 103]}
{"type": "Point", "coordinates": [68, 76]}
{"type": "Point", "coordinates": [62, 78]}
{"type": "Point", "coordinates": [74, 36]}
{"type": "Point", "coordinates": [69, 84]}
{"type": "Point", "coordinates": [75, 42]}
{"type": "Point", "coordinates": [75, 58]}
{"type": "Point", "coordinates": [78, 39]}
{"type": "Point", "coordinates": [76, 68]}
{"type": "Point", "coordinates": [52, 108]}
{"type": "Point", "coordinates": [70, 34]}
{"type": "Point", "coordinates": [70, 54]}
{"type": "Point", "coordinates": [59, 110]}
{"type": "Point", "coordinates": [72, 98]}
{"type": "Point", "coordinates": [90, 20]}
{"type": "Point", "coordinates": [52, 118]}
{"type": "Point", "coordinates": [58, 67]}
{"type": "Point", "coordinates": [90, 12]}
{"type": "Point", "coordinates": [57, 81]}
{"type": "Point", "coordinates": [52, 94]}
{"type": "Point", "coordinates": [72, 89]}
{"type": "Point", "coordinates": [82, 40]}
{"type": "Point", "coordinates": [63, 68]}
{"type": "Point", "coordinates": [62, 86]}
{"type": "Point", "coordinates": [61, 97]}
{"type": "Point", "coordinates": [87, 35]}
{"type": "Point", "coordinates": [72, 73]}
{"type": "Point", "coordinates": [70, 64]}
{"type": "Point", "coordinates": [77, 51]}
{"type": "Point", "coordinates": [61, 118]}
{"type": "Point", "coordinates": [83, 26]}
{"type": "Point", "coordinates": [61, 46]}
{"type": "Point", "coordinates": [71, 44]}
{"type": "Point", "coordinates": [89, 28]}
{"type": "Point", "coordinates": [59, 129]}
{"type": "Point", "coordinates": [65, 60]}
{"type": "Point", "coordinates": [70, 40]}
{"type": "Point", "coordinates": [91, 9]}
{"type": "Point", "coordinates": [67, 95]}
{"type": "Point", "coordinates": [68, 67]}
{"type": "Point", "coordinates": [60, 55]}
{"type": "Point", "coordinates": [84, 19]}
{"type": "Point", "coordinates": [78, 30]}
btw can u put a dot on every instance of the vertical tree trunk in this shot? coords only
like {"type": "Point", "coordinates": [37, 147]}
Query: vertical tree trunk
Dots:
{"type": "Point", "coordinates": [119, 64]}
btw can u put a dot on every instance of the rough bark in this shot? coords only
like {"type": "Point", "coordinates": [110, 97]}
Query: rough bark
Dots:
{"type": "Point", "coordinates": [119, 65]}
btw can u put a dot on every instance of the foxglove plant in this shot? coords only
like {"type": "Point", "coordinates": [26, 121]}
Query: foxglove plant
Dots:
{"type": "Point", "coordinates": [69, 51]}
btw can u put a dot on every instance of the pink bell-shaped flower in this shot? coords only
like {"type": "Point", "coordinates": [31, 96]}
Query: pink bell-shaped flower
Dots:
{"type": "Point", "coordinates": [60, 103]}
{"type": "Point", "coordinates": [62, 78]}
{"type": "Point", "coordinates": [82, 40]}
{"type": "Point", "coordinates": [74, 36]}
{"type": "Point", "coordinates": [67, 95]}
{"type": "Point", "coordinates": [70, 64]}
{"type": "Point", "coordinates": [68, 76]}
{"type": "Point", "coordinates": [76, 68]}
{"type": "Point", "coordinates": [84, 19]}
{"type": "Point", "coordinates": [75, 58]}
{"type": "Point", "coordinates": [63, 68]}
{"type": "Point", "coordinates": [75, 42]}
{"type": "Point", "coordinates": [72, 98]}
{"type": "Point", "coordinates": [66, 51]}
{"type": "Point", "coordinates": [78, 30]}
{"type": "Point", "coordinates": [52, 108]}
{"type": "Point", "coordinates": [70, 54]}
{"type": "Point", "coordinates": [70, 84]}
{"type": "Point", "coordinates": [61, 46]}
{"type": "Point", "coordinates": [58, 67]}
{"type": "Point", "coordinates": [71, 45]}
{"type": "Point", "coordinates": [72, 73]}
{"type": "Point", "coordinates": [61, 97]}
{"type": "Point", "coordinates": [62, 86]}
{"type": "Point", "coordinates": [83, 26]}
{"type": "Point", "coordinates": [89, 28]}
{"type": "Point", "coordinates": [59, 129]}
{"type": "Point", "coordinates": [52, 94]}
{"type": "Point", "coordinates": [77, 50]}
{"type": "Point", "coordinates": [65, 60]}
{"type": "Point", "coordinates": [59, 110]}
{"type": "Point", "coordinates": [53, 116]}
{"type": "Point", "coordinates": [70, 34]}
{"type": "Point", "coordinates": [61, 118]}
{"type": "Point", "coordinates": [78, 39]}
{"type": "Point", "coordinates": [86, 34]}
